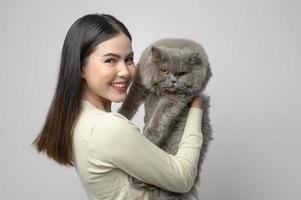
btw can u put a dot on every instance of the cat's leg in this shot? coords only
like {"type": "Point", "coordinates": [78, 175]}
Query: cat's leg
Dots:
{"type": "Point", "coordinates": [167, 109]}
{"type": "Point", "coordinates": [206, 127]}
{"type": "Point", "coordinates": [134, 99]}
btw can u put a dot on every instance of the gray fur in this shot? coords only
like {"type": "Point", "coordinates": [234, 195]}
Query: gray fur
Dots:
{"type": "Point", "coordinates": [167, 98]}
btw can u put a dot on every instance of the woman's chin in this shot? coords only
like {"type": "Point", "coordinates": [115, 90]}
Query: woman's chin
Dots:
{"type": "Point", "coordinates": [118, 99]}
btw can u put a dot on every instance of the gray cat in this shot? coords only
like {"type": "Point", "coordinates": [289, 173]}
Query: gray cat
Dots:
{"type": "Point", "coordinates": [170, 73]}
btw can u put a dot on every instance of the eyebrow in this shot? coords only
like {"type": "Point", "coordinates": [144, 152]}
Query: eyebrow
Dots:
{"type": "Point", "coordinates": [118, 56]}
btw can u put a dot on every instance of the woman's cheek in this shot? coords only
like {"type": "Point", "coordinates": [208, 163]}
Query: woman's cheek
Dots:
{"type": "Point", "coordinates": [133, 72]}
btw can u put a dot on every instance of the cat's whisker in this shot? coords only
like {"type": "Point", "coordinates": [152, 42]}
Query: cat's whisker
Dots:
{"type": "Point", "coordinates": [160, 86]}
{"type": "Point", "coordinates": [183, 88]}
{"type": "Point", "coordinates": [154, 89]}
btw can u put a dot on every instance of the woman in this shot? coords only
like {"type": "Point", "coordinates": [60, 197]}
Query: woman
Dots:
{"type": "Point", "coordinates": [105, 148]}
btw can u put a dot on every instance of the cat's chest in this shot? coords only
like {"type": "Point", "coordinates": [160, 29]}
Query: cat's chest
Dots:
{"type": "Point", "coordinates": [150, 104]}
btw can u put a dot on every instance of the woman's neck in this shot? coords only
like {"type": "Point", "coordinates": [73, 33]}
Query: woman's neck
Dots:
{"type": "Point", "coordinates": [98, 102]}
{"type": "Point", "coordinates": [104, 104]}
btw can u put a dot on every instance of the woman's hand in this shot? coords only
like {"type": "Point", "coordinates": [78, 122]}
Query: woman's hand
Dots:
{"type": "Point", "coordinates": [196, 102]}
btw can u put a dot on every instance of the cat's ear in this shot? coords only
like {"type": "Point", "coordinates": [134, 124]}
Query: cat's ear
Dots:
{"type": "Point", "coordinates": [195, 59]}
{"type": "Point", "coordinates": [157, 54]}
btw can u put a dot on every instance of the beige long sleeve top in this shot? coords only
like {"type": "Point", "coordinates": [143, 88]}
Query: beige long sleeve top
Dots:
{"type": "Point", "coordinates": [108, 148]}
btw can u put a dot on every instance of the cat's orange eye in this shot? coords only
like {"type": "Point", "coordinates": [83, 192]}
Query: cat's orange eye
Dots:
{"type": "Point", "coordinates": [165, 71]}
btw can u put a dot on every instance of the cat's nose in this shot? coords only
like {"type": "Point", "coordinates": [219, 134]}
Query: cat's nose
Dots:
{"type": "Point", "coordinates": [173, 81]}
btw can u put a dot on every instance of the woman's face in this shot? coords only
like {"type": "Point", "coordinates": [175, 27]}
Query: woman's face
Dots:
{"type": "Point", "coordinates": [109, 70]}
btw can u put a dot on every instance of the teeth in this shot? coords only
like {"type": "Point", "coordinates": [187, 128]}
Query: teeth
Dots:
{"type": "Point", "coordinates": [119, 85]}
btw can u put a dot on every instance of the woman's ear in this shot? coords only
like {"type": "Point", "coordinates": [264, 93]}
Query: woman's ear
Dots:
{"type": "Point", "coordinates": [82, 72]}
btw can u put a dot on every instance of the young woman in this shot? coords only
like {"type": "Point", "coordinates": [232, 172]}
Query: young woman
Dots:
{"type": "Point", "coordinates": [105, 148]}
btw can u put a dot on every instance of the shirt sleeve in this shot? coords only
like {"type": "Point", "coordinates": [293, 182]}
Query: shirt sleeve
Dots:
{"type": "Point", "coordinates": [119, 142]}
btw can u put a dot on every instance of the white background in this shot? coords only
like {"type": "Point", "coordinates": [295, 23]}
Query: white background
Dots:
{"type": "Point", "coordinates": [254, 49]}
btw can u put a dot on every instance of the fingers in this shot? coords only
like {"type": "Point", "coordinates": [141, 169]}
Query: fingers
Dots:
{"type": "Point", "coordinates": [196, 102]}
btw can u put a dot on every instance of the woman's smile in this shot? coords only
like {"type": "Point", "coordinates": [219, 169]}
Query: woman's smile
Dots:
{"type": "Point", "coordinates": [120, 86]}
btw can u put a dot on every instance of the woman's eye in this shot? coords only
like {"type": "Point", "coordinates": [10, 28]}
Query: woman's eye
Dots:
{"type": "Point", "coordinates": [164, 71]}
{"type": "Point", "coordinates": [111, 61]}
{"type": "Point", "coordinates": [129, 61]}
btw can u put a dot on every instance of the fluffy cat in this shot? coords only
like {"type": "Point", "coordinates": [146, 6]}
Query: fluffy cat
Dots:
{"type": "Point", "coordinates": [170, 73]}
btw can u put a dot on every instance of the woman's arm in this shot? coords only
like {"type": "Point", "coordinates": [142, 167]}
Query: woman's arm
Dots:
{"type": "Point", "coordinates": [122, 144]}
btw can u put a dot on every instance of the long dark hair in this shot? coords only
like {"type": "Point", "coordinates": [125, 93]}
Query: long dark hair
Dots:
{"type": "Point", "coordinates": [55, 138]}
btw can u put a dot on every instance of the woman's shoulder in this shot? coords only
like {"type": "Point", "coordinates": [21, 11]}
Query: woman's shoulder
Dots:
{"type": "Point", "coordinates": [107, 125]}
{"type": "Point", "coordinates": [113, 122]}
{"type": "Point", "coordinates": [123, 120]}
{"type": "Point", "coordinates": [91, 115]}
{"type": "Point", "coordinates": [111, 130]}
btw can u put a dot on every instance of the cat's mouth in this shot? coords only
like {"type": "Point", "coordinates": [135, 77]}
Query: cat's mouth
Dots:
{"type": "Point", "coordinates": [170, 88]}
{"type": "Point", "coordinates": [176, 90]}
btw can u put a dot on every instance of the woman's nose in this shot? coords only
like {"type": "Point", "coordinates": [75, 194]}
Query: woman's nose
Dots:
{"type": "Point", "coordinates": [123, 70]}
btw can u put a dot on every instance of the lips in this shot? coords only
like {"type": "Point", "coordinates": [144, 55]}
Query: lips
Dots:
{"type": "Point", "coordinates": [120, 86]}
